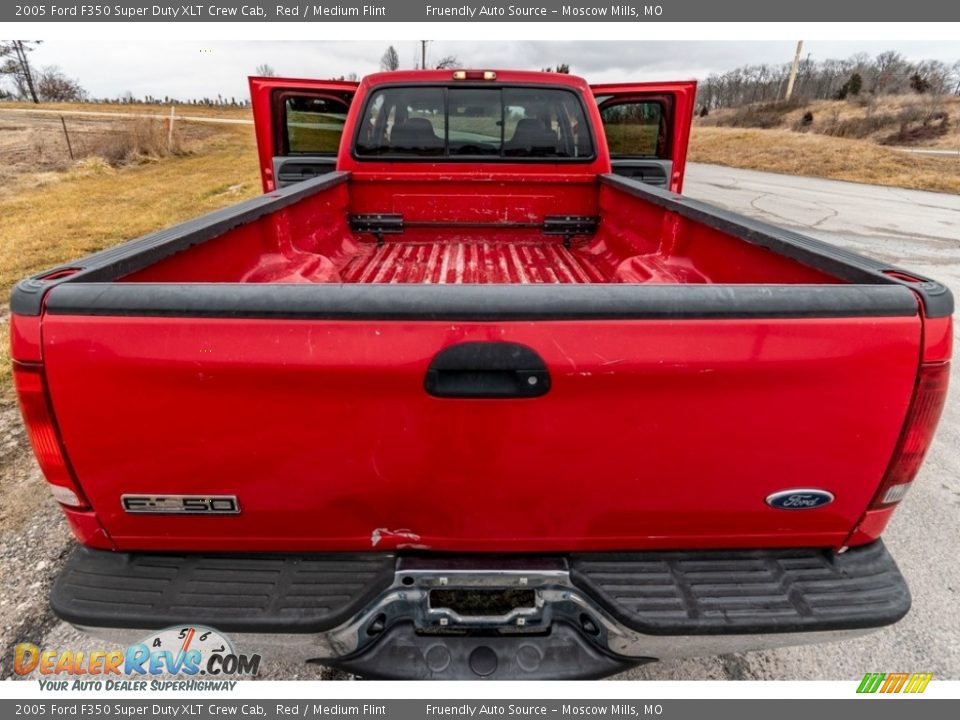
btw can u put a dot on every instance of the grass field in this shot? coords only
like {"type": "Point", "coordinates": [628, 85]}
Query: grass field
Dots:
{"type": "Point", "coordinates": [237, 113]}
{"type": "Point", "coordinates": [794, 153]}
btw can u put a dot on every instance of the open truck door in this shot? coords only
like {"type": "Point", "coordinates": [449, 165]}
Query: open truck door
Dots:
{"type": "Point", "coordinates": [299, 124]}
{"type": "Point", "coordinates": [648, 128]}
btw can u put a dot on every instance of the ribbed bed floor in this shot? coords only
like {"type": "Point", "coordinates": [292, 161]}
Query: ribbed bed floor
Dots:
{"type": "Point", "coordinates": [471, 262]}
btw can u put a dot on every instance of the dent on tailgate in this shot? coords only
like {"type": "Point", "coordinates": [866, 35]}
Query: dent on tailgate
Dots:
{"type": "Point", "coordinates": [323, 431]}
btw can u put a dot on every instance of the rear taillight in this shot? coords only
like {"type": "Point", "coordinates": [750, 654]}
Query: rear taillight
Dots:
{"type": "Point", "coordinates": [917, 433]}
{"type": "Point", "coordinates": [42, 431]}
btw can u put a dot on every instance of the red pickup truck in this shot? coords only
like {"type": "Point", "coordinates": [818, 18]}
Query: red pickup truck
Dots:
{"type": "Point", "coordinates": [472, 391]}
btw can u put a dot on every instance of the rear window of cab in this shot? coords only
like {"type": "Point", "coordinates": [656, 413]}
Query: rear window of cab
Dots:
{"type": "Point", "coordinates": [484, 123]}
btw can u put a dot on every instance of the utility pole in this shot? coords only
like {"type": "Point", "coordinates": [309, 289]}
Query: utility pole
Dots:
{"type": "Point", "coordinates": [21, 51]}
{"type": "Point", "coordinates": [423, 54]}
{"type": "Point", "coordinates": [793, 72]}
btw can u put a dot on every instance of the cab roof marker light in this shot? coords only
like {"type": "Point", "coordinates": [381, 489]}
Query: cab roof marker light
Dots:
{"type": "Point", "coordinates": [474, 75]}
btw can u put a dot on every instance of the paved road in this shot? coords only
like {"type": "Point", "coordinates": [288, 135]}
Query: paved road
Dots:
{"type": "Point", "coordinates": [930, 151]}
{"type": "Point", "coordinates": [921, 231]}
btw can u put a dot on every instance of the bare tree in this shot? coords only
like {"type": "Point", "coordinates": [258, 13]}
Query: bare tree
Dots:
{"type": "Point", "coordinates": [892, 73]}
{"type": "Point", "coordinates": [937, 75]}
{"type": "Point", "coordinates": [264, 70]}
{"type": "Point", "coordinates": [858, 77]}
{"type": "Point", "coordinates": [53, 86]}
{"type": "Point", "coordinates": [390, 61]}
{"type": "Point", "coordinates": [17, 66]}
{"type": "Point", "coordinates": [447, 62]}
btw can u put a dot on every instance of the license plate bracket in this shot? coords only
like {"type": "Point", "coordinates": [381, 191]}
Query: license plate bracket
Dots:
{"type": "Point", "coordinates": [482, 602]}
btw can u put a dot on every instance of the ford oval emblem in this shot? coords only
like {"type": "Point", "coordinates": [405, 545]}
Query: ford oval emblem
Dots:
{"type": "Point", "coordinates": [800, 499]}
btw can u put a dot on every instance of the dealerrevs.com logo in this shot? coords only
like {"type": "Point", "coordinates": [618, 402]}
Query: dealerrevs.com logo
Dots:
{"type": "Point", "coordinates": [190, 651]}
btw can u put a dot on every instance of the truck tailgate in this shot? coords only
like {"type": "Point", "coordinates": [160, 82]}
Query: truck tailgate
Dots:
{"type": "Point", "coordinates": [654, 433]}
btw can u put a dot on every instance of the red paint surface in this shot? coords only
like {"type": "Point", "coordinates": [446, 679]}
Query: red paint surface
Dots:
{"type": "Point", "coordinates": [654, 434]}
{"type": "Point", "coordinates": [636, 241]}
{"type": "Point", "coordinates": [937, 339]}
{"type": "Point", "coordinates": [25, 341]}
{"type": "Point", "coordinates": [86, 528]}
{"type": "Point", "coordinates": [871, 526]}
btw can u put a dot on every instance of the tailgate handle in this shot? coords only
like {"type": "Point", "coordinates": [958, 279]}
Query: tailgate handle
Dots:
{"type": "Point", "coordinates": [487, 370]}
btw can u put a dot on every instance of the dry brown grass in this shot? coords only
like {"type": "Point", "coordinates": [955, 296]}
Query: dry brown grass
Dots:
{"type": "Point", "coordinates": [35, 151]}
{"type": "Point", "coordinates": [239, 113]}
{"type": "Point", "coordinates": [863, 117]}
{"type": "Point", "coordinates": [94, 205]}
{"type": "Point", "coordinates": [137, 140]}
{"type": "Point", "coordinates": [793, 153]}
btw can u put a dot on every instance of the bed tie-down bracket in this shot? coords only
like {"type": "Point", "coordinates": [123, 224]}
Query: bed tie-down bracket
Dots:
{"type": "Point", "coordinates": [569, 226]}
{"type": "Point", "coordinates": [377, 224]}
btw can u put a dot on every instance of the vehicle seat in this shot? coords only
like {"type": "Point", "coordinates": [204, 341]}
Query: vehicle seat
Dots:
{"type": "Point", "coordinates": [416, 135]}
{"type": "Point", "coordinates": [531, 139]}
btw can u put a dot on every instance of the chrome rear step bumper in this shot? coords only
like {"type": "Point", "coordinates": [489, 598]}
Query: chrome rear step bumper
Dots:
{"type": "Point", "coordinates": [583, 615]}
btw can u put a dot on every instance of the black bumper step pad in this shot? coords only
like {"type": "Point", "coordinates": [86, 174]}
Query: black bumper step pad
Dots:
{"type": "Point", "coordinates": [659, 593]}
{"type": "Point", "coordinates": [745, 591]}
{"type": "Point", "coordinates": [233, 593]}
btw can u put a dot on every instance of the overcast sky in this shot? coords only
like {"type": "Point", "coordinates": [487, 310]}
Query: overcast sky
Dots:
{"type": "Point", "coordinates": [188, 70]}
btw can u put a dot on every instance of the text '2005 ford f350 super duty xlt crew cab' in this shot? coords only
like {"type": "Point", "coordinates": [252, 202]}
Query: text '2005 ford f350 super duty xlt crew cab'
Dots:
{"type": "Point", "coordinates": [472, 391]}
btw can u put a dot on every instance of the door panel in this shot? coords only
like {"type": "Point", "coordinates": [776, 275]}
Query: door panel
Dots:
{"type": "Point", "coordinates": [648, 128]}
{"type": "Point", "coordinates": [288, 171]}
{"type": "Point", "coordinates": [299, 124]}
{"type": "Point", "coordinates": [651, 172]}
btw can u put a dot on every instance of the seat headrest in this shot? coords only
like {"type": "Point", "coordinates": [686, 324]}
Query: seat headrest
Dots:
{"type": "Point", "coordinates": [531, 137]}
{"type": "Point", "coordinates": [415, 134]}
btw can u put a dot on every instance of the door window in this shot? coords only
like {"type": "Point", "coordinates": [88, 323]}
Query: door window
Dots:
{"type": "Point", "coordinates": [313, 124]}
{"type": "Point", "coordinates": [635, 128]}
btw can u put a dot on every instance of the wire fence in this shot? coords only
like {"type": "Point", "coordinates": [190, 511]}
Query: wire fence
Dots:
{"type": "Point", "coordinates": [54, 140]}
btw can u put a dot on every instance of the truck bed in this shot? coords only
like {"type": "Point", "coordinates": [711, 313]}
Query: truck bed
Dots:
{"type": "Point", "coordinates": [340, 231]}
{"type": "Point", "coordinates": [473, 261]}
